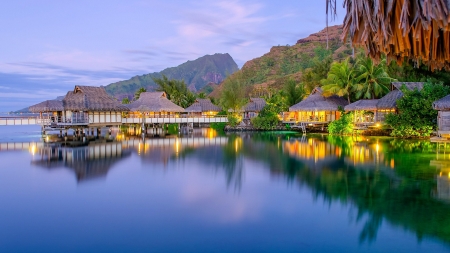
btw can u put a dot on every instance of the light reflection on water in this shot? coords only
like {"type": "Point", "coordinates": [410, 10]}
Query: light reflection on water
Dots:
{"type": "Point", "coordinates": [239, 192]}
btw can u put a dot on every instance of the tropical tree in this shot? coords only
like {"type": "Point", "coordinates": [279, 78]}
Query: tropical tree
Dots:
{"type": "Point", "coordinates": [201, 95]}
{"type": "Point", "coordinates": [176, 91]}
{"type": "Point", "coordinates": [125, 101]}
{"type": "Point", "coordinates": [233, 95]}
{"type": "Point", "coordinates": [373, 80]}
{"type": "Point", "coordinates": [340, 80]}
{"type": "Point", "coordinates": [293, 92]}
{"type": "Point", "coordinates": [138, 93]}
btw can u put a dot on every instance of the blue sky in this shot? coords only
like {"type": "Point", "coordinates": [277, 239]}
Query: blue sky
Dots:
{"type": "Point", "coordinates": [50, 46]}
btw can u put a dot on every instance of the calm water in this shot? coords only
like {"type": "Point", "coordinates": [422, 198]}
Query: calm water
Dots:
{"type": "Point", "coordinates": [271, 192]}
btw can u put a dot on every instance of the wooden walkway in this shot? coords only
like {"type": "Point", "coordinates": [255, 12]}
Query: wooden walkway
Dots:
{"type": "Point", "coordinates": [22, 121]}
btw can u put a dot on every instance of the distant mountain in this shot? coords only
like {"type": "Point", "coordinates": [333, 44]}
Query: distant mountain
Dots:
{"type": "Point", "coordinates": [197, 74]}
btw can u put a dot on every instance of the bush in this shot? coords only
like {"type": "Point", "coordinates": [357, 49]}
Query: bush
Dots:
{"type": "Point", "coordinates": [266, 121]}
{"type": "Point", "coordinates": [342, 126]}
{"type": "Point", "coordinates": [416, 117]}
{"type": "Point", "coordinates": [233, 120]}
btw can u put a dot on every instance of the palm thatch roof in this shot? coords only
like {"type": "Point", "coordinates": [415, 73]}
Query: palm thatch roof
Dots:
{"type": "Point", "coordinates": [417, 30]}
{"type": "Point", "coordinates": [203, 105]}
{"type": "Point", "coordinates": [254, 105]}
{"type": "Point", "coordinates": [89, 98]}
{"type": "Point", "coordinates": [390, 100]}
{"type": "Point", "coordinates": [48, 106]}
{"type": "Point", "coordinates": [154, 102]}
{"type": "Point", "coordinates": [362, 105]}
{"type": "Point", "coordinates": [442, 104]}
{"type": "Point", "coordinates": [317, 102]}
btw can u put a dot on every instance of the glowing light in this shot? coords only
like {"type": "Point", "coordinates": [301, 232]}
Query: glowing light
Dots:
{"type": "Point", "coordinates": [177, 146]}
{"type": "Point", "coordinates": [449, 174]}
{"type": "Point", "coordinates": [377, 125]}
{"type": "Point", "coordinates": [33, 149]}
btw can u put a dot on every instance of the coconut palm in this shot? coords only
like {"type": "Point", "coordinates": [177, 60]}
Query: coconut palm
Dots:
{"type": "Point", "coordinates": [373, 81]}
{"type": "Point", "coordinates": [340, 80]}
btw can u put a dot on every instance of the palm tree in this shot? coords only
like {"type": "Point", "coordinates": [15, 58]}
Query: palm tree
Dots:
{"type": "Point", "coordinates": [138, 93]}
{"type": "Point", "coordinates": [373, 81]}
{"type": "Point", "coordinates": [340, 80]}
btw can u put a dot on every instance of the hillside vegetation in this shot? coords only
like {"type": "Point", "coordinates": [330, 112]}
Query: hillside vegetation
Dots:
{"type": "Point", "coordinates": [282, 63]}
{"type": "Point", "coordinates": [196, 74]}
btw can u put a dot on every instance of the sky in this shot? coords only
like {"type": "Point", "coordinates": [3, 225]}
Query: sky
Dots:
{"type": "Point", "coordinates": [48, 47]}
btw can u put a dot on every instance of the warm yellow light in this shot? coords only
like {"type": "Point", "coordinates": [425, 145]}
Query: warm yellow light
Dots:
{"type": "Point", "coordinates": [449, 174]}
{"type": "Point", "coordinates": [177, 146]}
{"type": "Point", "coordinates": [46, 139]}
{"type": "Point", "coordinates": [33, 149]}
{"type": "Point", "coordinates": [378, 125]}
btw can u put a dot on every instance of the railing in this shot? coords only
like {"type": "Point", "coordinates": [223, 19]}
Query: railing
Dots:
{"type": "Point", "coordinates": [171, 116]}
{"type": "Point", "coordinates": [306, 119]}
{"type": "Point", "coordinates": [6, 121]}
{"type": "Point", "coordinates": [75, 119]}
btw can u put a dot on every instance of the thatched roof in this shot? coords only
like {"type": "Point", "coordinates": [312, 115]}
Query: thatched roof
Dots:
{"type": "Point", "coordinates": [89, 98]}
{"type": "Point", "coordinates": [47, 106]}
{"type": "Point", "coordinates": [363, 104]}
{"type": "Point", "coordinates": [390, 100]}
{"type": "Point", "coordinates": [317, 102]}
{"type": "Point", "coordinates": [399, 29]}
{"type": "Point", "coordinates": [203, 105]}
{"type": "Point", "coordinates": [154, 102]}
{"type": "Point", "coordinates": [442, 104]}
{"type": "Point", "coordinates": [254, 105]}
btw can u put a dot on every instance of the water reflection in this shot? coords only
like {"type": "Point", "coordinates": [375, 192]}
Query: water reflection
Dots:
{"type": "Point", "coordinates": [403, 183]}
{"type": "Point", "coordinates": [93, 161]}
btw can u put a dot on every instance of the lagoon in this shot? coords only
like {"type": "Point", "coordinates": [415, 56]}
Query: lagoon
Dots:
{"type": "Point", "coordinates": [211, 192]}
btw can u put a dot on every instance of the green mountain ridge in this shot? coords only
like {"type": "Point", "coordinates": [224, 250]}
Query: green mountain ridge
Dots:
{"type": "Point", "coordinates": [197, 74]}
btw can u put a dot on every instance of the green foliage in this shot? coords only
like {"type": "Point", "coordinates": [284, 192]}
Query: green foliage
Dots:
{"type": "Point", "coordinates": [176, 91]}
{"type": "Point", "coordinates": [408, 73]}
{"type": "Point", "coordinates": [233, 119]}
{"type": "Point", "coordinates": [233, 94]}
{"type": "Point", "coordinates": [219, 126]}
{"type": "Point", "coordinates": [342, 126]}
{"type": "Point", "coordinates": [340, 79]}
{"type": "Point", "coordinates": [373, 80]}
{"type": "Point", "coordinates": [293, 92]}
{"type": "Point", "coordinates": [416, 117]}
{"type": "Point", "coordinates": [126, 101]}
{"type": "Point", "coordinates": [172, 128]}
{"type": "Point", "coordinates": [201, 95]}
{"type": "Point", "coordinates": [267, 118]}
{"type": "Point", "coordinates": [313, 76]}
{"type": "Point", "coordinates": [137, 94]}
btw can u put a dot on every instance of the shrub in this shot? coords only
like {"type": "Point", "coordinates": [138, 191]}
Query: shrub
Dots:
{"type": "Point", "coordinates": [342, 126]}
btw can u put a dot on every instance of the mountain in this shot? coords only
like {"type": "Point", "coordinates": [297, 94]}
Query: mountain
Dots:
{"type": "Point", "coordinates": [284, 62]}
{"type": "Point", "coordinates": [197, 74]}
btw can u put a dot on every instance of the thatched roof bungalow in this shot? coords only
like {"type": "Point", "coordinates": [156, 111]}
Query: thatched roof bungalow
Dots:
{"type": "Point", "coordinates": [203, 107]}
{"type": "Point", "coordinates": [443, 119]}
{"type": "Point", "coordinates": [47, 106]}
{"type": "Point", "coordinates": [316, 108]}
{"type": "Point", "coordinates": [89, 105]}
{"type": "Point", "coordinates": [365, 110]}
{"type": "Point", "coordinates": [154, 104]}
{"type": "Point", "coordinates": [253, 107]}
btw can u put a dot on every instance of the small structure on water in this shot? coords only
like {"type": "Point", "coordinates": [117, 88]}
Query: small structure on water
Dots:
{"type": "Point", "coordinates": [365, 111]}
{"type": "Point", "coordinates": [203, 108]}
{"type": "Point", "coordinates": [316, 109]}
{"type": "Point", "coordinates": [50, 110]}
{"type": "Point", "coordinates": [443, 118]}
{"type": "Point", "coordinates": [154, 105]}
{"type": "Point", "coordinates": [253, 107]}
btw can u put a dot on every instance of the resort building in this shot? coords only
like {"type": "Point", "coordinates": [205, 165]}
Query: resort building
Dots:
{"type": "Point", "coordinates": [373, 111]}
{"type": "Point", "coordinates": [154, 105]}
{"type": "Point", "coordinates": [92, 106]}
{"type": "Point", "coordinates": [315, 109]}
{"type": "Point", "coordinates": [84, 106]}
{"type": "Point", "coordinates": [203, 108]}
{"type": "Point", "coordinates": [443, 119]}
{"type": "Point", "coordinates": [253, 107]}
{"type": "Point", "coordinates": [49, 110]}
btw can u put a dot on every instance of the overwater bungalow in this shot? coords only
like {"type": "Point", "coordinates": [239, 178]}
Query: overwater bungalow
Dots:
{"type": "Point", "coordinates": [315, 109]}
{"type": "Point", "coordinates": [365, 111]}
{"type": "Point", "coordinates": [253, 107]}
{"type": "Point", "coordinates": [154, 104]}
{"type": "Point", "coordinates": [92, 106]}
{"type": "Point", "coordinates": [50, 110]}
{"type": "Point", "coordinates": [443, 118]}
{"type": "Point", "coordinates": [203, 108]}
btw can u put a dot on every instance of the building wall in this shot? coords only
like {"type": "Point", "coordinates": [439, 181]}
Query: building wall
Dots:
{"type": "Point", "coordinates": [444, 120]}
